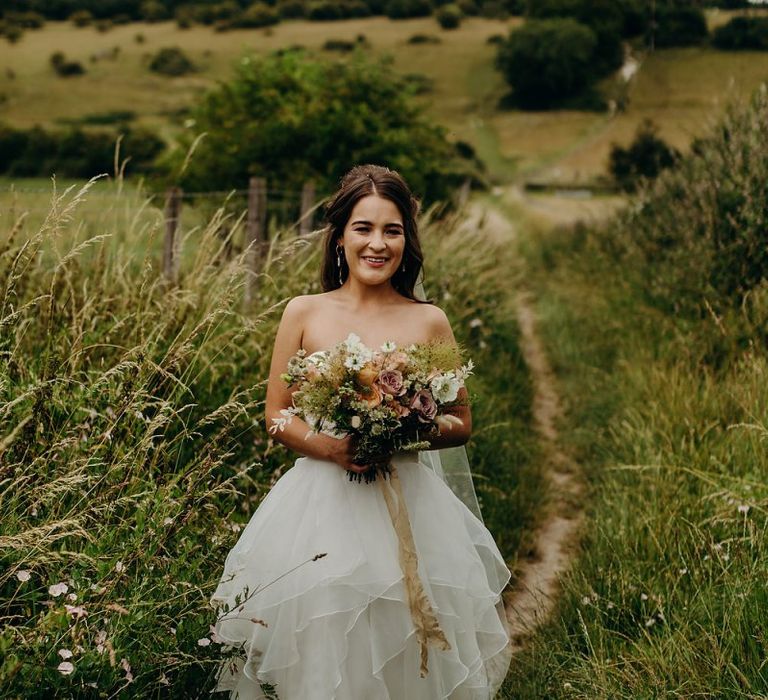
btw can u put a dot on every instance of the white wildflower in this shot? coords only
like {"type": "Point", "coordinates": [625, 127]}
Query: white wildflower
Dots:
{"type": "Point", "coordinates": [475, 323]}
{"type": "Point", "coordinates": [280, 423]}
{"type": "Point", "coordinates": [65, 668]}
{"type": "Point", "coordinates": [355, 422]}
{"type": "Point", "coordinates": [355, 362]}
{"type": "Point", "coordinates": [744, 508]}
{"type": "Point", "coordinates": [127, 668]}
{"type": "Point", "coordinates": [389, 346]}
{"type": "Point", "coordinates": [23, 575]}
{"type": "Point", "coordinates": [586, 600]}
{"type": "Point", "coordinates": [643, 596]}
{"type": "Point", "coordinates": [167, 521]}
{"type": "Point", "coordinates": [650, 622]}
{"type": "Point", "coordinates": [72, 597]}
{"type": "Point", "coordinates": [682, 571]}
{"type": "Point", "coordinates": [119, 566]}
{"type": "Point", "coordinates": [445, 387]}
{"type": "Point", "coordinates": [204, 642]}
{"type": "Point", "coordinates": [58, 589]}
{"type": "Point", "coordinates": [76, 611]}
{"type": "Point", "coordinates": [65, 654]}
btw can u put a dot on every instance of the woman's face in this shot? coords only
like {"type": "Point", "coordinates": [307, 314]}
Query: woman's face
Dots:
{"type": "Point", "coordinates": [374, 240]}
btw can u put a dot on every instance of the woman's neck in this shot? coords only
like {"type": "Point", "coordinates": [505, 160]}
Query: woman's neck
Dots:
{"type": "Point", "coordinates": [363, 296]}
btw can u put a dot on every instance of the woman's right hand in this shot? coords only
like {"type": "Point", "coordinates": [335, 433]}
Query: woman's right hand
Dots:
{"type": "Point", "coordinates": [342, 451]}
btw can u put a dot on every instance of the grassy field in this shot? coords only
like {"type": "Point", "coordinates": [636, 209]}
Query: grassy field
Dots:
{"type": "Point", "coordinates": [680, 89]}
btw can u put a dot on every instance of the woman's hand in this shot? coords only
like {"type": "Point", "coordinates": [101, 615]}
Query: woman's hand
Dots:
{"type": "Point", "coordinates": [342, 451]}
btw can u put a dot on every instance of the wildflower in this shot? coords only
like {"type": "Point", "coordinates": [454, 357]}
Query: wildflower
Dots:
{"type": "Point", "coordinates": [744, 508]}
{"type": "Point", "coordinates": [682, 571]}
{"type": "Point", "coordinates": [445, 388]}
{"type": "Point", "coordinates": [119, 567]}
{"type": "Point", "coordinates": [650, 622]}
{"type": "Point", "coordinates": [204, 642]}
{"type": "Point", "coordinates": [585, 600]}
{"type": "Point", "coordinates": [643, 596]}
{"type": "Point", "coordinates": [76, 611]}
{"type": "Point", "coordinates": [280, 423]}
{"type": "Point", "coordinates": [65, 668]}
{"type": "Point", "coordinates": [65, 654]}
{"type": "Point", "coordinates": [72, 597]}
{"type": "Point", "coordinates": [23, 575]}
{"type": "Point", "coordinates": [610, 606]}
{"type": "Point", "coordinates": [389, 346]}
{"type": "Point", "coordinates": [475, 323]}
{"type": "Point", "coordinates": [167, 521]}
{"type": "Point", "coordinates": [567, 686]}
{"type": "Point", "coordinates": [127, 668]}
{"type": "Point", "coordinates": [355, 422]}
{"type": "Point", "coordinates": [58, 589]}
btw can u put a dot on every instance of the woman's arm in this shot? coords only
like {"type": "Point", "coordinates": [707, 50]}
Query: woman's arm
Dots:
{"type": "Point", "coordinates": [294, 435]}
{"type": "Point", "coordinates": [440, 328]}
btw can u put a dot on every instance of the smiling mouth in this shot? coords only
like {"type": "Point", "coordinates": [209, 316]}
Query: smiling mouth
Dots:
{"type": "Point", "coordinates": [374, 260]}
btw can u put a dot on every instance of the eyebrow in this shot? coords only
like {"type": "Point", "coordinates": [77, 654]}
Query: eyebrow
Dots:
{"type": "Point", "coordinates": [392, 223]}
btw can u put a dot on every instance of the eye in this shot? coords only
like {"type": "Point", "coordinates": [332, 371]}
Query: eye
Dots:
{"type": "Point", "coordinates": [395, 232]}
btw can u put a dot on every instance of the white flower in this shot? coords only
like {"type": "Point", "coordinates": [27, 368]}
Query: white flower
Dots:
{"type": "Point", "coordinates": [204, 642]}
{"type": "Point", "coordinates": [682, 571]}
{"type": "Point", "coordinates": [119, 566]}
{"type": "Point", "coordinates": [127, 668]}
{"type": "Point", "coordinates": [23, 575]}
{"type": "Point", "coordinates": [65, 654]}
{"type": "Point", "coordinates": [65, 668]}
{"type": "Point", "coordinates": [58, 589]}
{"type": "Point", "coordinates": [650, 622]}
{"type": "Point", "coordinates": [585, 600]}
{"type": "Point", "coordinates": [445, 387]}
{"type": "Point", "coordinates": [164, 680]}
{"type": "Point", "coordinates": [743, 509]}
{"type": "Point", "coordinates": [389, 346]}
{"type": "Point", "coordinates": [475, 323]}
{"type": "Point", "coordinates": [167, 521]}
{"type": "Point", "coordinates": [72, 597]}
{"type": "Point", "coordinates": [355, 422]}
{"type": "Point", "coordinates": [77, 611]}
{"type": "Point", "coordinates": [355, 362]}
{"type": "Point", "coordinates": [353, 342]}
{"type": "Point", "coordinates": [643, 596]}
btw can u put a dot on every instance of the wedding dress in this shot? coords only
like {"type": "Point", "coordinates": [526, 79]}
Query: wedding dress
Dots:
{"type": "Point", "coordinates": [314, 594]}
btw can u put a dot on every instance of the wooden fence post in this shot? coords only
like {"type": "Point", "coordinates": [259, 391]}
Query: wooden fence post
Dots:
{"type": "Point", "coordinates": [254, 231]}
{"type": "Point", "coordinates": [307, 202]}
{"type": "Point", "coordinates": [171, 248]}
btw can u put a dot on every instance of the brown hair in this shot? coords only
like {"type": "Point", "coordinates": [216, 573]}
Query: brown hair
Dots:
{"type": "Point", "coordinates": [362, 181]}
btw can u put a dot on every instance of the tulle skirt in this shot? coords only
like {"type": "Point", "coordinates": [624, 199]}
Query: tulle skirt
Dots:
{"type": "Point", "coordinates": [339, 626]}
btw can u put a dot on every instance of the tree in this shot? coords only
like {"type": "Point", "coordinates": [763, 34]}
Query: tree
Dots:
{"type": "Point", "coordinates": [646, 157]}
{"type": "Point", "coordinates": [291, 117]}
{"type": "Point", "coordinates": [547, 60]}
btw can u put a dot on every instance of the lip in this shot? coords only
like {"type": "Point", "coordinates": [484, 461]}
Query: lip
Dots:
{"type": "Point", "coordinates": [374, 261]}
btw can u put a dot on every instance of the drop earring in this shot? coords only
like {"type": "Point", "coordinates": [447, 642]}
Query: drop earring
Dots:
{"type": "Point", "coordinates": [338, 263]}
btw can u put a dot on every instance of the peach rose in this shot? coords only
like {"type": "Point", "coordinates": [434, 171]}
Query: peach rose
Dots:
{"type": "Point", "coordinates": [367, 375]}
{"type": "Point", "coordinates": [373, 398]}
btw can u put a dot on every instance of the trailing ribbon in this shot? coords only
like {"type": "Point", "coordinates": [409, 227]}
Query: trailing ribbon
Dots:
{"type": "Point", "coordinates": [428, 629]}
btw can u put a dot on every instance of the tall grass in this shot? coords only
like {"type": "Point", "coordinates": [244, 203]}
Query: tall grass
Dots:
{"type": "Point", "coordinates": [132, 445]}
{"type": "Point", "coordinates": [662, 360]}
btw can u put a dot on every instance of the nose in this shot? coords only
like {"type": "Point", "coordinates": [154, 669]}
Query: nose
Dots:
{"type": "Point", "coordinates": [376, 242]}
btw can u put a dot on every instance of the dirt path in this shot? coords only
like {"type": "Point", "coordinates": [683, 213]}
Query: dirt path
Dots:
{"type": "Point", "coordinates": [555, 542]}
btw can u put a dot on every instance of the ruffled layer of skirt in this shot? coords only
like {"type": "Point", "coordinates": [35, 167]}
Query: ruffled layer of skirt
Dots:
{"type": "Point", "coordinates": [338, 626]}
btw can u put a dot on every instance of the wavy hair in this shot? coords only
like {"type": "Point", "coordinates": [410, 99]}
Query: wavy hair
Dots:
{"type": "Point", "coordinates": [362, 181]}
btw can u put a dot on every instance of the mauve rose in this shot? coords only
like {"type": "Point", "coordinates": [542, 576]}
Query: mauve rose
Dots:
{"type": "Point", "coordinates": [391, 382]}
{"type": "Point", "coordinates": [425, 406]}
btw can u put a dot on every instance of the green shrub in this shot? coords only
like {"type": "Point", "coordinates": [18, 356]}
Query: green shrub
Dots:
{"type": "Point", "coordinates": [342, 45]}
{"type": "Point", "coordinates": [424, 39]}
{"type": "Point", "coordinates": [547, 60]}
{"type": "Point", "coordinates": [291, 9]}
{"type": "Point", "coordinates": [171, 61]}
{"type": "Point", "coordinates": [646, 157]}
{"type": "Point", "coordinates": [12, 33]}
{"type": "Point", "coordinates": [153, 11]}
{"type": "Point", "coordinates": [292, 117]}
{"type": "Point", "coordinates": [63, 67]}
{"type": "Point", "coordinates": [679, 26]}
{"type": "Point", "coordinates": [403, 9]}
{"type": "Point", "coordinates": [449, 16]}
{"type": "Point", "coordinates": [468, 7]}
{"type": "Point", "coordinates": [259, 14]}
{"type": "Point", "coordinates": [81, 18]}
{"type": "Point", "coordinates": [742, 34]}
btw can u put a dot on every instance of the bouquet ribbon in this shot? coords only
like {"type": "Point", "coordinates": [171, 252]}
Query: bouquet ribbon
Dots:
{"type": "Point", "coordinates": [428, 630]}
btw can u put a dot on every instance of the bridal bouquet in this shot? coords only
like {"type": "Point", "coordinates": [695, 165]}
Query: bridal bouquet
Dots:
{"type": "Point", "coordinates": [389, 399]}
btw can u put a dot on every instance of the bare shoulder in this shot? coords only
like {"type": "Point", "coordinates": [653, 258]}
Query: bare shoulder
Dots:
{"type": "Point", "coordinates": [301, 305]}
{"type": "Point", "coordinates": [435, 321]}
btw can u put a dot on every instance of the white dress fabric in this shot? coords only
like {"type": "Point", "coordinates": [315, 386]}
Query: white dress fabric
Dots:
{"type": "Point", "coordinates": [339, 627]}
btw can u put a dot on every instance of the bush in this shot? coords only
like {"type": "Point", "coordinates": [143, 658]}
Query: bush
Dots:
{"type": "Point", "coordinates": [291, 9]}
{"type": "Point", "coordinates": [424, 39]}
{"type": "Point", "coordinates": [342, 45]}
{"type": "Point", "coordinates": [468, 8]}
{"type": "Point", "coordinates": [546, 61]}
{"type": "Point", "coordinates": [742, 34]}
{"type": "Point", "coordinates": [25, 20]}
{"type": "Point", "coordinates": [679, 26]}
{"type": "Point", "coordinates": [13, 33]}
{"type": "Point", "coordinates": [153, 11]}
{"type": "Point", "coordinates": [325, 10]}
{"type": "Point", "coordinates": [259, 14]}
{"type": "Point", "coordinates": [646, 157]}
{"type": "Point", "coordinates": [171, 61]}
{"type": "Point", "coordinates": [37, 152]}
{"type": "Point", "coordinates": [403, 9]}
{"type": "Point", "coordinates": [493, 9]}
{"type": "Point", "coordinates": [449, 16]}
{"type": "Point", "coordinates": [81, 18]}
{"type": "Point", "coordinates": [63, 67]}
{"type": "Point", "coordinates": [293, 117]}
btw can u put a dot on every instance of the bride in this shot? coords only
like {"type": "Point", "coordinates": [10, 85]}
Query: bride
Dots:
{"type": "Point", "coordinates": [313, 594]}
